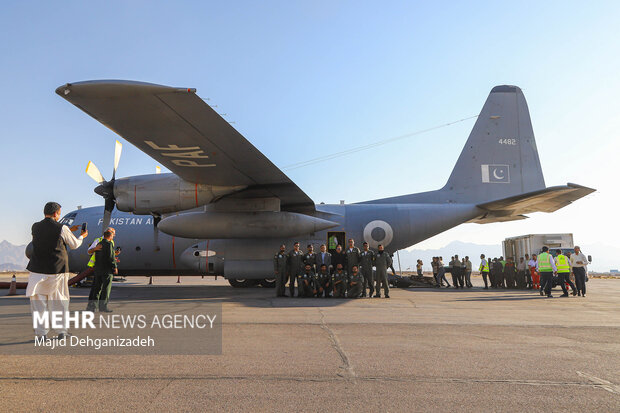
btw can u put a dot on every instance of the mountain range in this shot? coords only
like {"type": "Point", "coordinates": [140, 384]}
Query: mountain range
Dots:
{"type": "Point", "coordinates": [12, 257]}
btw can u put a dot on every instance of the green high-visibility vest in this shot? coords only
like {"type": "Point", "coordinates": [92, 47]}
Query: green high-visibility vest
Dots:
{"type": "Point", "coordinates": [561, 261]}
{"type": "Point", "coordinates": [485, 267]}
{"type": "Point", "coordinates": [91, 262]}
{"type": "Point", "coordinates": [543, 262]}
{"type": "Point", "coordinates": [333, 242]}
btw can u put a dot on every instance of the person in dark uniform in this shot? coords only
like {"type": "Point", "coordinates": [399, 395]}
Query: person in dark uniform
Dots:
{"type": "Point", "coordinates": [339, 257]}
{"type": "Point", "coordinates": [310, 257]}
{"type": "Point", "coordinates": [279, 270]}
{"type": "Point", "coordinates": [355, 284]}
{"type": "Point", "coordinates": [367, 258]}
{"type": "Point", "coordinates": [353, 256]}
{"type": "Point", "coordinates": [324, 282]}
{"type": "Point", "coordinates": [498, 270]}
{"type": "Point", "coordinates": [105, 269]}
{"type": "Point", "coordinates": [382, 262]}
{"type": "Point", "coordinates": [455, 266]}
{"type": "Point", "coordinates": [510, 273]}
{"type": "Point", "coordinates": [339, 281]}
{"type": "Point", "coordinates": [48, 287]}
{"type": "Point", "coordinates": [305, 283]}
{"type": "Point", "coordinates": [294, 267]}
{"type": "Point", "coordinates": [323, 257]}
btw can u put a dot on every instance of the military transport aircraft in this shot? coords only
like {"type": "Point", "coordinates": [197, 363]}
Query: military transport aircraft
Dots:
{"type": "Point", "coordinates": [226, 208]}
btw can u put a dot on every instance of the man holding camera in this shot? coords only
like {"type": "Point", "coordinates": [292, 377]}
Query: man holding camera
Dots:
{"type": "Point", "coordinates": [48, 287]}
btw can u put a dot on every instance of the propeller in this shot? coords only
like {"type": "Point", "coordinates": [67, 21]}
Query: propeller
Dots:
{"type": "Point", "coordinates": [106, 188]}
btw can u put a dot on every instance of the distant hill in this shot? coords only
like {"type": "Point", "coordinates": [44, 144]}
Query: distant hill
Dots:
{"type": "Point", "coordinates": [408, 257]}
{"type": "Point", "coordinates": [12, 257]}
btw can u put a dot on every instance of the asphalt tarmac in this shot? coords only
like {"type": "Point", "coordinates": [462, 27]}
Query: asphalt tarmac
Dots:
{"type": "Point", "coordinates": [421, 350]}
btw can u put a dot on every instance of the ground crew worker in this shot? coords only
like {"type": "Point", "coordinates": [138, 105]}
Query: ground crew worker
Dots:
{"type": "Point", "coordinates": [367, 258]}
{"type": "Point", "coordinates": [332, 242]}
{"type": "Point", "coordinates": [324, 282]}
{"type": "Point", "coordinates": [546, 267]}
{"type": "Point", "coordinates": [305, 282]}
{"type": "Point", "coordinates": [418, 268]}
{"type": "Point", "coordinates": [294, 267]}
{"type": "Point", "coordinates": [510, 273]}
{"type": "Point", "coordinates": [562, 263]}
{"type": "Point", "coordinates": [93, 247]}
{"type": "Point", "coordinates": [355, 283]}
{"type": "Point", "coordinates": [457, 273]}
{"type": "Point", "coordinates": [323, 257]}
{"type": "Point", "coordinates": [521, 278]}
{"type": "Point", "coordinates": [310, 257]}
{"type": "Point", "coordinates": [528, 272]}
{"type": "Point", "coordinates": [353, 256]}
{"type": "Point", "coordinates": [578, 263]}
{"type": "Point", "coordinates": [339, 281]}
{"type": "Point", "coordinates": [435, 267]}
{"type": "Point", "coordinates": [498, 270]}
{"type": "Point", "coordinates": [279, 270]}
{"type": "Point", "coordinates": [468, 268]}
{"type": "Point", "coordinates": [484, 270]}
{"type": "Point", "coordinates": [382, 262]}
{"type": "Point", "coordinates": [441, 272]}
{"type": "Point", "coordinates": [105, 269]}
{"type": "Point", "coordinates": [533, 273]}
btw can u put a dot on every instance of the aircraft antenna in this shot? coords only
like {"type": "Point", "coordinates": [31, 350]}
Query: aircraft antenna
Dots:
{"type": "Point", "coordinates": [371, 145]}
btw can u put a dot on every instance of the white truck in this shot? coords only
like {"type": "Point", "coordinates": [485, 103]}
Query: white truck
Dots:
{"type": "Point", "coordinates": [517, 247]}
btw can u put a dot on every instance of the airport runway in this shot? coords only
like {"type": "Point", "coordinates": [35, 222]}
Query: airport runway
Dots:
{"type": "Point", "coordinates": [421, 350]}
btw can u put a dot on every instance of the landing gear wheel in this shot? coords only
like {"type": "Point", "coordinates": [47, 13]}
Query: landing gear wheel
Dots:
{"type": "Point", "coordinates": [268, 283]}
{"type": "Point", "coordinates": [242, 283]}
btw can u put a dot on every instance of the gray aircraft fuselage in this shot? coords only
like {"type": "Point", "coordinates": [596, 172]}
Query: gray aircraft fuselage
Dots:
{"type": "Point", "coordinates": [396, 226]}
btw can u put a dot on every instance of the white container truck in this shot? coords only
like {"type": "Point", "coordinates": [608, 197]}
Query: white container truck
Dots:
{"type": "Point", "coordinates": [517, 247]}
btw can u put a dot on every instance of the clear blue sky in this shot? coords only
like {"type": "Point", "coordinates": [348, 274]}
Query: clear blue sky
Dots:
{"type": "Point", "coordinates": [305, 79]}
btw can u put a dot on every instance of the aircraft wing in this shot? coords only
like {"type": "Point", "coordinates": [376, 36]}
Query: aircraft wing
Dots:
{"type": "Point", "coordinates": [179, 130]}
{"type": "Point", "coordinates": [545, 200]}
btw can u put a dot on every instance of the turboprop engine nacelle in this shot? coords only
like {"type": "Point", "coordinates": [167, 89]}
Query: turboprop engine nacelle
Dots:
{"type": "Point", "coordinates": [164, 193]}
{"type": "Point", "coordinates": [227, 225]}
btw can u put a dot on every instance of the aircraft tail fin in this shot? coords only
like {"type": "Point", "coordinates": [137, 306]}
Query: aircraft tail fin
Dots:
{"type": "Point", "coordinates": [499, 169]}
{"type": "Point", "coordinates": [500, 158]}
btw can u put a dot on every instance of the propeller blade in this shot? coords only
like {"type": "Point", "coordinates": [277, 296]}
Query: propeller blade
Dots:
{"type": "Point", "coordinates": [93, 172]}
{"type": "Point", "coordinates": [118, 148]}
{"type": "Point", "coordinates": [158, 169]}
{"type": "Point", "coordinates": [107, 214]}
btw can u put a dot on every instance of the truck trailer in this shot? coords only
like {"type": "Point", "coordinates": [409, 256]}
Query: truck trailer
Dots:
{"type": "Point", "coordinates": [517, 247]}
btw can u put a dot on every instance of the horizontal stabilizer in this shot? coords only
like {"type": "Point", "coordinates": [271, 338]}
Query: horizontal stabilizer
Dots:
{"type": "Point", "coordinates": [544, 200]}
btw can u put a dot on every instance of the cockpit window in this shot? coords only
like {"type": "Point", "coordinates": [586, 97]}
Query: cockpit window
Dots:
{"type": "Point", "coordinates": [68, 219]}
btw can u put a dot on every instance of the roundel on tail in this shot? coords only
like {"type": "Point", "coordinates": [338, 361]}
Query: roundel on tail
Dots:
{"type": "Point", "coordinates": [378, 232]}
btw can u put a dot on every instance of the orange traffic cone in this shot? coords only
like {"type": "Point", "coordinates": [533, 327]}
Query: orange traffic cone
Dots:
{"type": "Point", "coordinates": [13, 287]}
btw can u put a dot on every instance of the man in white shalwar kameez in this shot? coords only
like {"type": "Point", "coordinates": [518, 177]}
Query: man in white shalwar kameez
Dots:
{"type": "Point", "coordinates": [48, 287]}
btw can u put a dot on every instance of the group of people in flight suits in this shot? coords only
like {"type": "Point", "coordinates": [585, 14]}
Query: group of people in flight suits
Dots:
{"type": "Point", "coordinates": [343, 273]}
